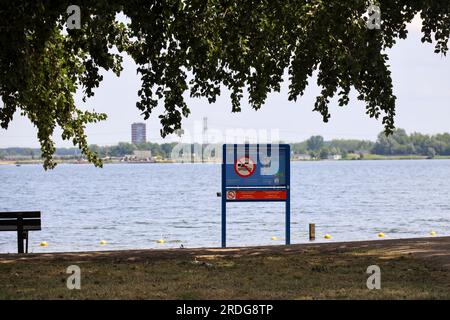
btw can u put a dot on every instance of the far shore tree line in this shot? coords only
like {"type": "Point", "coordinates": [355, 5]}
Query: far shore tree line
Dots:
{"type": "Point", "coordinates": [398, 144]}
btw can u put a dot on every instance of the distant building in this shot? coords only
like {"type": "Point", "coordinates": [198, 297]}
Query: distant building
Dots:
{"type": "Point", "coordinates": [139, 156]}
{"type": "Point", "coordinates": [335, 157]}
{"type": "Point", "coordinates": [142, 155]}
{"type": "Point", "coordinates": [138, 133]}
{"type": "Point", "coordinates": [302, 157]}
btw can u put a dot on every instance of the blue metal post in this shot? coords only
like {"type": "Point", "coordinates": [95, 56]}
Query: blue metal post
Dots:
{"type": "Point", "coordinates": [224, 200]}
{"type": "Point", "coordinates": [288, 216]}
{"type": "Point", "coordinates": [288, 195]}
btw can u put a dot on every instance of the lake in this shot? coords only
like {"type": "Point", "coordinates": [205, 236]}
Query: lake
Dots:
{"type": "Point", "coordinates": [131, 206]}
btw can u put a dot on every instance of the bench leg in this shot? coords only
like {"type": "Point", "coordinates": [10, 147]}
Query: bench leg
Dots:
{"type": "Point", "coordinates": [20, 242]}
{"type": "Point", "coordinates": [20, 235]}
{"type": "Point", "coordinates": [26, 241]}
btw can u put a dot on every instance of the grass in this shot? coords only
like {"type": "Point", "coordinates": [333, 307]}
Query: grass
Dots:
{"type": "Point", "coordinates": [310, 273]}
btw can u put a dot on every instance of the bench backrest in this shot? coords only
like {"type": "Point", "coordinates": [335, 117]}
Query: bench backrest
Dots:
{"type": "Point", "coordinates": [31, 220]}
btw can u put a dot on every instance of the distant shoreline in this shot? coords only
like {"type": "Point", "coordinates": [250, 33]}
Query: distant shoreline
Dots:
{"type": "Point", "coordinates": [365, 158]}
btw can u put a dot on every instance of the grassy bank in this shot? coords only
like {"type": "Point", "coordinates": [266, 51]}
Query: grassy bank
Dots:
{"type": "Point", "coordinates": [417, 269]}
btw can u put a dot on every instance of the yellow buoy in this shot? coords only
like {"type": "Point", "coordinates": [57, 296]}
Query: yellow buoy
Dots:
{"type": "Point", "coordinates": [433, 233]}
{"type": "Point", "coordinates": [275, 238]}
{"type": "Point", "coordinates": [161, 241]}
{"type": "Point", "coordinates": [381, 235]}
{"type": "Point", "coordinates": [103, 242]}
{"type": "Point", "coordinates": [43, 244]}
{"type": "Point", "coordinates": [327, 236]}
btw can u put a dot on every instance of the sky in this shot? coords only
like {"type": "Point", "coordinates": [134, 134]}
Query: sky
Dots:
{"type": "Point", "coordinates": [421, 84]}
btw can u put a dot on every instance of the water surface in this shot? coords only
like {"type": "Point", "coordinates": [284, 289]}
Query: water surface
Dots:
{"type": "Point", "coordinates": [131, 206]}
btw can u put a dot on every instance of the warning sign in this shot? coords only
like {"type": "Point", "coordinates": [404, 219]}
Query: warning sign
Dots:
{"type": "Point", "coordinates": [256, 173]}
{"type": "Point", "coordinates": [245, 167]}
{"type": "Point", "coordinates": [246, 195]}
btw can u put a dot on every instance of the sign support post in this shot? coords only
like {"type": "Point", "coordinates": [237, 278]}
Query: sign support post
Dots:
{"type": "Point", "coordinates": [288, 217]}
{"type": "Point", "coordinates": [288, 198]}
{"type": "Point", "coordinates": [224, 203]}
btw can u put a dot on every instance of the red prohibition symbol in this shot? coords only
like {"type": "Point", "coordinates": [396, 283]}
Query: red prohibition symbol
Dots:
{"type": "Point", "coordinates": [244, 167]}
{"type": "Point", "coordinates": [231, 195]}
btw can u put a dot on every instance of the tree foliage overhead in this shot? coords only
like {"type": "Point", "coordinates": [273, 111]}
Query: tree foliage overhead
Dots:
{"type": "Point", "coordinates": [199, 46]}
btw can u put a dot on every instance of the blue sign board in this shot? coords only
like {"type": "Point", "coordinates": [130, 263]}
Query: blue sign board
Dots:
{"type": "Point", "coordinates": [269, 163]}
{"type": "Point", "coordinates": [255, 172]}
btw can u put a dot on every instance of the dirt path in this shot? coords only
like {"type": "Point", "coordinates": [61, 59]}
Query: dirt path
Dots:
{"type": "Point", "coordinates": [435, 250]}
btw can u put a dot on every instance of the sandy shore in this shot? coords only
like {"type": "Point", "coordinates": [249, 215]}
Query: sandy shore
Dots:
{"type": "Point", "coordinates": [435, 249]}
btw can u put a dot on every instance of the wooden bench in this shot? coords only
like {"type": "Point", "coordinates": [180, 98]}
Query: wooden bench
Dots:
{"type": "Point", "coordinates": [22, 222]}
